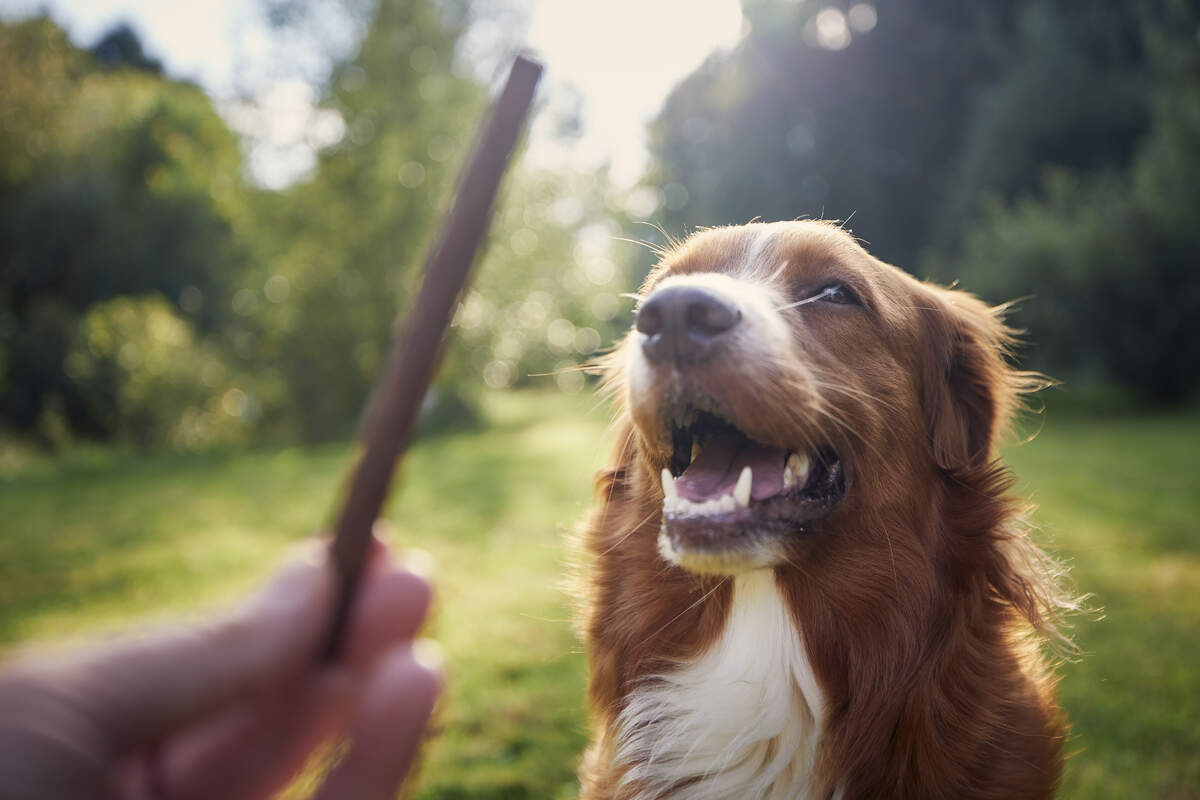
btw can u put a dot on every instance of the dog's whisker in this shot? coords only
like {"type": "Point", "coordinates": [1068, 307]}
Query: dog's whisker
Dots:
{"type": "Point", "coordinates": [827, 412]}
{"type": "Point", "coordinates": [561, 371]}
{"type": "Point", "coordinates": [778, 271]}
{"type": "Point", "coordinates": [805, 301]}
{"type": "Point", "coordinates": [826, 382]}
{"type": "Point", "coordinates": [657, 249]}
{"type": "Point", "coordinates": [850, 429]}
{"type": "Point", "coordinates": [671, 242]}
{"type": "Point", "coordinates": [631, 532]}
{"type": "Point", "coordinates": [859, 394]}
{"type": "Point", "coordinates": [622, 458]}
{"type": "Point", "coordinates": [675, 618]}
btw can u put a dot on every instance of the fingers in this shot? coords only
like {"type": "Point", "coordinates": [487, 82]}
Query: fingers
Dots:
{"type": "Point", "coordinates": [254, 745]}
{"type": "Point", "coordinates": [141, 688]}
{"type": "Point", "coordinates": [138, 691]}
{"type": "Point", "coordinates": [391, 720]}
{"type": "Point", "coordinates": [390, 608]}
{"type": "Point", "coordinates": [253, 751]}
{"type": "Point", "coordinates": [262, 743]}
{"type": "Point", "coordinates": [97, 704]}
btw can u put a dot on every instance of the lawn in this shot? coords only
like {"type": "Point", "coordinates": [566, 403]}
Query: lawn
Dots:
{"type": "Point", "coordinates": [99, 537]}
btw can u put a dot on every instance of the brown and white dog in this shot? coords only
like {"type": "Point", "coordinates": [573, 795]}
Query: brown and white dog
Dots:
{"type": "Point", "coordinates": [805, 575]}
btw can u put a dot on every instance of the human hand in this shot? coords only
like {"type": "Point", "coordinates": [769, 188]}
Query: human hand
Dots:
{"type": "Point", "coordinates": [230, 708]}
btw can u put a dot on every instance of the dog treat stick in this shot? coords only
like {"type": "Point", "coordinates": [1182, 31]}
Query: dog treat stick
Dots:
{"type": "Point", "coordinates": [416, 347]}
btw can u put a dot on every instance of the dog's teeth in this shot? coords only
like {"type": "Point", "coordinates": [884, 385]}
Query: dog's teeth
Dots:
{"type": "Point", "coordinates": [668, 487]}
{"type": "Point", "coordinates": [741, 492]}
{"type": "Point", "coordinates": [695, 450]}
{"type": "Point", "coordinates": [798, 464]}
{"type": "Point", "coordinates": [677, 504]}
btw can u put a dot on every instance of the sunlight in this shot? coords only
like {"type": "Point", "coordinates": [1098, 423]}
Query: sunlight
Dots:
{"type": "Point", "coordinates": [624, 56]}
{"type": "Point", "coordinates": [619, 58]}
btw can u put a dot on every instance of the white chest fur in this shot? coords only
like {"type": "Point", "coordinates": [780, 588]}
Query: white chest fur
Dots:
{"type": "Point", "coordinates": [743, 720]}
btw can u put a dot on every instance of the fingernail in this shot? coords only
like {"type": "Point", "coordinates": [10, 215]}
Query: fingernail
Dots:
{"type": "Point", "coordinates": [419, 562]}
{"type": "Point", "coordinates": [305, 560]}
{"type": "Point", "coordinates": [383, 530]}
{"type": "Point", "coordinates": [429, 654]}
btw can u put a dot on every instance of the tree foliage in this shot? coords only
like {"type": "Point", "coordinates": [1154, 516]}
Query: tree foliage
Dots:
{"type": "Point", "coordinates": [348, 242]}
{"type": "Point", "coordinates": [1042, 149]}
{"type": "Point", "coordinates": [149, 293]}
{"type": "Point", "coordinates": [783, 127]}
{"type": "Point", "coordinates": [113, 181]}
{"type": "Point", "coordinates": [1110, 255]}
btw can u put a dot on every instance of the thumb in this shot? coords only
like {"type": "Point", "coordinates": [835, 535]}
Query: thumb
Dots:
{"type": "Point", "coordinates": [388, 729]}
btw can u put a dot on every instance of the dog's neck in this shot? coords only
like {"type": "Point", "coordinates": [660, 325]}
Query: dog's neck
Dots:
{"type": "Point", "coordinates": [742, 720]}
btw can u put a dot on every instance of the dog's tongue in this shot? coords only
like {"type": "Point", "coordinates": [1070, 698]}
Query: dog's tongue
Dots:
{"type": "Point", "coordinates": [715, 471]}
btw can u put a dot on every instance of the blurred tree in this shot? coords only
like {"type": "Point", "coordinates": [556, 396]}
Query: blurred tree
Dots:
{"type": "Point", "coordinates": [347, 243]}
{"type": "Point", "coordinates": [111, 183]}
{"type": "Point", "coordinates": [146, 378]}
{"type": "Point", "coordinates": [827, 112]}
{"type": "Point", "coordinates": [1074, 93]}
{"type": "Point", "coordinates": [546, 298]}
{"type": "Point", "coordinates": [1043, 148]}
{"type": "Point", "coordinates": [123, 188]}
{"type": "Point", "coordinates": [121, 47]}
{"type": "Point", "coordinates": [1111, 258]}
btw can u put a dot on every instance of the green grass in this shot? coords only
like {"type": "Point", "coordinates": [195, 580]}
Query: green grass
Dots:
{"type": "Point", "coordinates": [99, 537]}
{"type": "Point", "coordinates": [1119, 498]}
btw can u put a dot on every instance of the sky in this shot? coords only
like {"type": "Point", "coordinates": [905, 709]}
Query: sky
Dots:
{"type": "Point", "coordinates": [620, 56]}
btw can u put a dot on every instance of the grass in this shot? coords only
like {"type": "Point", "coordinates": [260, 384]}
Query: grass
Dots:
{"type": "Point", "coordinates": [99, 537]}
{"type": "Point", "coordinates": [1120, 500]}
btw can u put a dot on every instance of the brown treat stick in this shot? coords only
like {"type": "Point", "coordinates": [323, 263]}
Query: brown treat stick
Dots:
{"type": "Point", "coordinates": [416, 347]}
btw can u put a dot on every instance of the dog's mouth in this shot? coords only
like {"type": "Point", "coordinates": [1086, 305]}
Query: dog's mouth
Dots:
{"type": "Point", "coordinates": [729, 499]}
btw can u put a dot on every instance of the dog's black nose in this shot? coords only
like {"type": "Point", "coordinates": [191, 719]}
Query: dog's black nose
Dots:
{"type": "Point", "coordinates": [684, 323]}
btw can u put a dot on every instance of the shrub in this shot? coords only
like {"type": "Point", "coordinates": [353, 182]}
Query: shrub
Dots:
{"type": "Point", "coordinates": [146, 379]}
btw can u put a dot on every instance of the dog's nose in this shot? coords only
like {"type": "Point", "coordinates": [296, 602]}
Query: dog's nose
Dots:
{"type": "Point", "coordinates": [684, 323]}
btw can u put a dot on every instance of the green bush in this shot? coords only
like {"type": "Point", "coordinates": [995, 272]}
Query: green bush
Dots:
{"type": "Point", "coordinates": [146, 379]}
{"type": "Point", "coordinates": [113, 182]}
{"type": "Point", "coordinates": [1103, 293]}
{"type": "Point", "coordinates": [1108, 261]}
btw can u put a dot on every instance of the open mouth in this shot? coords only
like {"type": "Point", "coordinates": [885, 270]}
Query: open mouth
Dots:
{"type": "Point", "coordinates": [724, 490]}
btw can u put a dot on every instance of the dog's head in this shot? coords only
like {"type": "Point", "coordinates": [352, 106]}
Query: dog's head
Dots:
{"type": "Point", "coordinates": [783, 384]}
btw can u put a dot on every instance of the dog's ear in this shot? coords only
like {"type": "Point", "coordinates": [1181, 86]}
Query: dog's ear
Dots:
{"type": "Point", "coordinates": [969, 389]}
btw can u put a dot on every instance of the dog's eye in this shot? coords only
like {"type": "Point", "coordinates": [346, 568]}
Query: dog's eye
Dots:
{"type": "Point", "coordinates": [839, 294]}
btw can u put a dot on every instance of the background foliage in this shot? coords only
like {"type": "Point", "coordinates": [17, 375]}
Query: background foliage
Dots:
{"type": "Point", "coordinates": [254, 313]}
{"type": "Point", "coordinates": [1042, 149]}
{"type": "Point", "coordinates": [114, 182]}
{"type": "Point", "coordinates": [1038, 149]}
{"type": "Point", "coordinates": [152, 295]}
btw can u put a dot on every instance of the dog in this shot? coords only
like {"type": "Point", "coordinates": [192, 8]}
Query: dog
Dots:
{"type": "Point", "coordinates": [805, 576]}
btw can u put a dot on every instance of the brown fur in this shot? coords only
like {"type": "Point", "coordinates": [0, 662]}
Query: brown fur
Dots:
{"type": "Point", "coordinates": [921, 601]}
